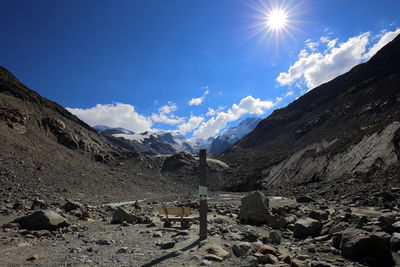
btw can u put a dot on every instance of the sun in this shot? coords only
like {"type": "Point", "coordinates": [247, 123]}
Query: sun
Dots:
{"type": "Point", "coordinates": [276, 20]}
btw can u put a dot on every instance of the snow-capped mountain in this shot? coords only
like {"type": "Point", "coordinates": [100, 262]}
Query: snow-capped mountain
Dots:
{"type": "Point", "coordinates": [153, 142]}
{"type": "Point", "coordinates": [157, 142]}
{"type": "Point", "coordinates": [234, 134]}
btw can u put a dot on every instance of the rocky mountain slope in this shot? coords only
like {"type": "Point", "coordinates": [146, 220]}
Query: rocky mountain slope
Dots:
{"type": "Point", "coordinates": [346, 128]}
{"type": "Point", "coordinates": [47, 152]}
{"type": "Point", "coordinates": [233, 134]}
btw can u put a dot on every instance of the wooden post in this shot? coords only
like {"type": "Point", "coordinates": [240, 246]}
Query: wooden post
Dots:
{"type": "Point", "coordinates": [203, 194]}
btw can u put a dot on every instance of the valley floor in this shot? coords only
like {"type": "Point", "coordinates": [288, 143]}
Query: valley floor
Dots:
{"type": "Point", "coordinates": [93, 240]}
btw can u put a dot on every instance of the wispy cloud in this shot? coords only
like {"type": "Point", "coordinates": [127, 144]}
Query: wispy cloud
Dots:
{"type": "Point", "coordinates": [317, 67]}
{"type": "Point", "coordinates": [198, 100]}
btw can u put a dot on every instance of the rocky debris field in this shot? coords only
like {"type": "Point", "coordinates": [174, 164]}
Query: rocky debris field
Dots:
{"type": "Point", "coordinates": [252, 230]}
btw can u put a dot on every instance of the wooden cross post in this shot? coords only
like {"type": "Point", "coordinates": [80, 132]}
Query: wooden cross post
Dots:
{"type": "Point", "coordinates": [203, 194]}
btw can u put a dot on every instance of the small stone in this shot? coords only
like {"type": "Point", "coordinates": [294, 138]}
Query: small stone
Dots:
{"type": "Point", "coordinates": [219, 220]}
{"type": "Point", "coordinates": [304, 199]}
{"type": "Point", "coordinates": [287, 259]}
{"type": "Point", "coordinates": [274, 238]}
{"type": "Point", "coordinates": [23, 244]}
{"type": "Point", "coordinates": [311, 250]}
{"type": "Point", "coordinates": [212, 257]}
{"type": "Point", "coordinates": [167, 245]}
{"type": "Point", "coordinates": [322, 238]}
{"type": "Point", "coordinates": [33, 258]}
{"type": "Point", "coordinates": [205, 263]}
{"type": "Point", "coordinates": [250, 261]}
{"type": "Point", "coordinates": [321, 264]}
{"type": "Point", "coordinates": [241, 249]}
{"type": "Point", "coordinates": [217, 250]}
{"type": "Point", "coordinates": [265, 249]}
{"type": "Point", "coordinates": [103, 242]}
{"type": "Point", "coordinates": [157, 234]}
{"type": "Point", "coordinates": [125, 224]}
{"type": "Point", "coordinates": [395, 242]}
{"type": "Point", "coordinates": [73, 205]}
{"type": "Point", "coordinates": [266, 258]}
{"type": "Point", "coordinates": [122, 250]}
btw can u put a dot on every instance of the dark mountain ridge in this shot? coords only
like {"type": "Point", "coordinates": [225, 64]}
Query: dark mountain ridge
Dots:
{"type": "Point", "coordinates": [303, 141]}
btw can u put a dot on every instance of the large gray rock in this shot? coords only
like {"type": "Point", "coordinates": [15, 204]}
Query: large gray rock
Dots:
{"type": "Point", "coordinates": [121, 215]}
{"type": "Point", "coordinates": [307, 227]}
{"type": "Point", "coordinates": [43, 220]}
{"type": "Point", "coordinates": [254, 208]}
{"type": "Point", "coordinates": [360, 245]}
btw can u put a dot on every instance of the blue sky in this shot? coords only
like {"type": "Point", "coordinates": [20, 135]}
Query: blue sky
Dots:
{"type": "Point", "coordinates": [196, 66]}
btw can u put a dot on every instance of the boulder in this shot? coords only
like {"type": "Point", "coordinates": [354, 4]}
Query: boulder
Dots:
{"type": "Point", "coordinates": [121, 215]}
{"type": "Point", "coordinates": [254, 208]}
{"type": "Point", "coordinates": [357, 244]}
{"type": "Point", "coordinates": [307, 227]}
{"type": "Point", "coordinates": [395, 242]}
{"type": "Point", "coordinates": [42, 220]}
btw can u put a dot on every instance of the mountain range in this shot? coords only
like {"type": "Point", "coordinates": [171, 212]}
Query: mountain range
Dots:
{"type": "Point", "coordinates": [157, 142]}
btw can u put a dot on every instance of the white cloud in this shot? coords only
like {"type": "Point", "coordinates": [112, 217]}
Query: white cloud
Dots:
{"type": "Point", "coordinates": [384, 39]}
{"type": "Point", "coordinates": [113, 115]}
{"type": "Point", "coordinates": [169, 108]}
{"type": "Point", "coordinates": [167, 119]}
{"type": "Point", "coordinates": [320, 67]}
{"type": "Point", "coordinates": [190, 125]}
{"type": "Point", "coordinates": [248, 105]}
{"type": "Point", "coordinates": [165, 115]}
{"type": "Point", "coordinates": [211, 112]}
{"type": "Point", "coordinates": [198, 100]}
{"type": "Point", "coordinates": [290, 93]}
